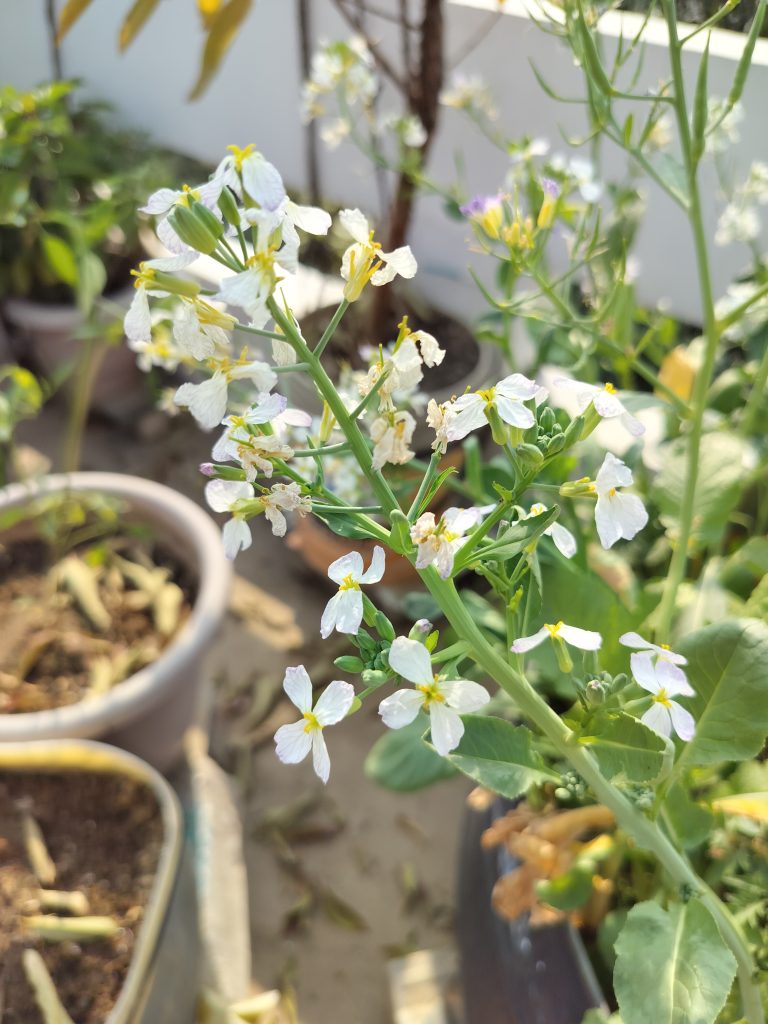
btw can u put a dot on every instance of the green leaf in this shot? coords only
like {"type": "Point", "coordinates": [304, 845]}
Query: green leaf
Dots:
{"type": "Point", "coordinates": [92, 278]}
{"type": "Point", "coordinates": [403, 761]}
{"type": "Point", "coordinates": [499, 756]}
{"type": "Point", "coordinates": [134, 21]}
{"type": "Point", "coordinates": [568, 891]}
{"type": "Point", "coordinates": [224, 27]}
{"type": "Point", "coordinates": [521, 535]}
{"type": "Point", "coordinates": [70, 12]}
{"type": "Point", "coordinates": [691, 822]}
{"type": "Point", "coordinates": [672, 967]}
{"type": "Point", "coordinates": [721, 470]}
{"type": "Point", "coordinates": [757, 605]}
{"type": "Point", "coordinates": [624, 746]}
{"type": "Point", "coordinates": [727, 669]}
{"type": "Point", "coordinates": [672, 173]}
{"type": "Point", "coordinates": [343, 524]}
{"type": "Point", "coordinates": [60, 258]}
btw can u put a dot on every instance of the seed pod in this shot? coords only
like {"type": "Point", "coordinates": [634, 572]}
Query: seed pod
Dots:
{"type": "Point", "coordinates": [192, 231]}
{"type": "Point", "coordinates": [228, 207]}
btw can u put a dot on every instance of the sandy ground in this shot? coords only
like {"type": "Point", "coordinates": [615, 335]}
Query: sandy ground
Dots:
{"type": "Point", "coordinates": [355, 874]}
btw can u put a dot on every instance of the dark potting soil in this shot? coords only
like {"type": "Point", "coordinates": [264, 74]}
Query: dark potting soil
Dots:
{"type": "Point", "coordinates": [48, 647]}
{"type": "Point", "coordinates": [104, 834]}
{"type": "Point", "coordinates": [461, 346]}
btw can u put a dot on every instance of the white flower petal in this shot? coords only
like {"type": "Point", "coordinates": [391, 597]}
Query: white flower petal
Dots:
{"type": "Point", "coordinates": [262, 181]}
{"type": "Point", "coordinates": [222, 494]}
{"type": "Point", "coordinates": [309, 218]}
{"type": "Point", "coordinates": [293, 743]}
{"type": "Point", "coordinates": [613, 473]}
{"type": "Point", "coordinates": [355, 224]}
{"type": "Point", "coordinates": [171, 264]}
{"type": "Point", "coordinates": [334, 702]}
{"type": "Point", "coordinates": [632, 424]}
{"type": "Point", "coordinates": [298, 687]}
{"type": "Point", "coordinates": [411, 660]}
{"type": "Point", "coordinates": [658, 718]}
{"type": "Point", "coordinates": [468, 414]}
{"type": "Point", "coordinates": [401, 260]}
{"type": "Point", "coordinates": [348, 611]}
{"type": "Point", "coordinates": [206, 401]}
{"type": "Point", "coordinates": [321, 761]}
{"type": "Point", "coordinates": [464, 695]}
{"type": "Point", "coordinates": [328, 621]}
{"type": "Point", "coordinates": [629, 513]}
{"type": "Point", "coordinates": [350, 564]}
{"type": "Point", "coordinates": [236, 536]}
{"type": "Point", "coordinates": [446, 727]}
{"type": "Point", "coordinates": [376, 569]}
{"type": "Point", "coordinates": [160, 202]}
{"type": "Point", "coordinates": [636, 641]}
{"type": "Point", "coordinates": [644, 671]}
{"type": "Point", "coordinates": [683, 721]}
{"type": "Point", "coordinates": [673, 679]}
{"type": "Point", "coordinates": [401, 708]}
{"type": "Point", "coordinates": [516, 387]}
{"type": "Point", "coordinates": [513, 412]}
{"type": "Point", "coordinates": [527, 643]}
{"type": "Point", "coordinates": [138, 321]}
{"type": "Point", "coordinates": [563, 539]}
{"type": "Point", "coordinates": [608, 529]}
{"type": "Point", "coordinates": [584, 639]}
{"type": "Point", "coordinates": [170, 239]}
{"type": "Point", "coordinates": [607, 404]}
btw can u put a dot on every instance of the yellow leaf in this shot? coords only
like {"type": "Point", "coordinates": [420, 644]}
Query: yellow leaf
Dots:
{"type": "Point", "coordinates": [223, 30]}
{"type": "Point", "coordinates": [678, 372]}
{"type": "Point", "coordinates": [749, 805]}
{"type": "Point", "coordinates": [134, 20]}
{"type": "Point", "coordinates": [70, 12]}
{"type": "Point", "coordinates": [208, 10]}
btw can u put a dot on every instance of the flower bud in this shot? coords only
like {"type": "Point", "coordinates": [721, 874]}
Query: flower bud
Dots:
{"type": "Point", "coordinates": [555, 444]}
{"type": "Point", "coordinates": [573, 431]}
{"type": "Point", "coordinates": [207, 218]}
{"type": "Point", "coordinates": [547, 419]}
{"type": "Point", "coordinates": [420, 629]}
{"type": "Point", "coordinates": [220, 472]}
{"type": "Point", "coordinates": [192, 231]}
{"type": "Point", "coordinates": [228, 206]}
{"type": "Point", "coordinates": [374, 677]}
{"type": "Point", "coordinates": [384, 627]}
{"type": "Point", "coordinates": [594, 692]}
{"type": "Point", "coordinates": [529, 455]}
{"type": "Point", "coordinates": [349, 663]}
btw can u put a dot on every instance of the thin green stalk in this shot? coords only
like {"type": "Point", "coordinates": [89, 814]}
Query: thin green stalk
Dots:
{"type": "Point", "coordinates": [756, 397]}
{"type": "Point", "coordinates": [426, 483]}
{"type": "Point", "coordinates": [329, 449]}
{"type": "Point", "coordinates": [679, 560]}
{"type": "Point", "coordinates": [82, 387]}
{"type": "Point", "coordinates": [333, 323]}
{"type": "Point", "coordinates": [291, 367]}
{"type": "Point", "coordinates": [738, 311]}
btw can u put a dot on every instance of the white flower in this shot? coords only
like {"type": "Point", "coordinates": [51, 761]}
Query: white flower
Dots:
{"type": "Point", "coordinates": [207, 401]}
{"type": "Point", "coordinates": [344, 612]}
{"type": "Point", "coordinates": [252, 178]}
{"type": "Point", "coordinates": [403, 366]}
{"type": "Point", "coordinates": [341, 65]}
{"type": "Point", "coordinates": [664, 680]}
{"type": "Point", "coordinates": [756, 185]}
{"type": "Point", "coordinates": [438, 542]}
{"type": "Point", "coordinates": [752, 319]}
{"type": "Point", "coordinates": [365, 260]}
{"type": "Point", "coordinates": [659, 654]}
{"type": "Point", "coordinates": [334, 132]}
{"type": "Point", "coordinates": [196, 337]}
{"type": "Point", "coordinates": [617, 515]}
{"type": "Point", "coordinates": [294, 742]}
{"type": "Point", "coordinates": [738, 223]}
{"type": "Point", "coordinates": [662, 652]}
{"type": "Point", "coordinates": [284, 498]}
{"type": "Point", "coordinates": [440, 418]}
{"type": "Point", "coordinates": [469, 412]}
{"type": "Point", "coordinates": [583, 175]}
{"type": "Point", "coordinates": [563, 539]}
{"type": "Point", "coordinates": [584, 639]}
{"type": "Point", "coordinates": [443, 699]}
{"type": "Point", "coordinates": [137, 323]}
{"type": "Point", "coordinates": [606, 402]}
{"type": "Point", "coordinates": [391, 434]}
{"type": "Point", "coordinates": [253, 451]}
{"type": "Point", "coordinates": [225, 496]}
{"type": "Point", "coordinates": [722, 132]}
{"type": "Point", "coordinates": [163, 202]}
{"type": "Point", "coordinates": [469, 92]}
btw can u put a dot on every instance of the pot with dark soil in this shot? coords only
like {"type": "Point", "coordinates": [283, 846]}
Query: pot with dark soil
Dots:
{"type": "Point", "coordinates": [94, 894]}
{"type": "Point", "coordinates": [111, 591]}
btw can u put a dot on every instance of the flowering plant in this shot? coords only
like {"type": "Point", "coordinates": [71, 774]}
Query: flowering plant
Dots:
{"type": "Point", "coordinates": [646, 727]}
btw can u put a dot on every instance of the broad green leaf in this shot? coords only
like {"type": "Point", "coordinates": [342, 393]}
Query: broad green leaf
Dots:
{"type": "Point", "coordinates": [223, 28]}
{"type": "Point", "coordinates": [499, 756]}
{"type": "Point", "coordinates": [626, 747]}
{"type": "Point", "coordinates": [727, 667]}
{"type": "Point", "coordinates": [721, 471]}
{"type": "Point", "coordinates": [672, 967]}
{"type": "Point", "coordinates": [757, 605]}
{"type": "Point", "coordinates": [343, 524]}
{"type": "Point", "coordinates": [60, 258]}
{"type": "Point", "coordinates": [402, 761]}
{"type": "Point", "coordinates": [70, 12]}
{"type": "Point", "coordinates": [134, 21]}
{"type": "Point", "coordinates": [691, 822]}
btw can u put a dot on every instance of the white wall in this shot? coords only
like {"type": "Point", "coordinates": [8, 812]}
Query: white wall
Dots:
{"type": "Point", "coordinates": [256, 95]}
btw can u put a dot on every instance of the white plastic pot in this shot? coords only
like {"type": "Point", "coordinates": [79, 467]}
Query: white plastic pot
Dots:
{"type": "Point", "coordinates": [149, 712]}
{"type": "Point", "coordinates": [162, 980]}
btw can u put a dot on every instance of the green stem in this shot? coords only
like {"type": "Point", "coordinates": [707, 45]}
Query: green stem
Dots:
{"type": "Point", "coordinates": [82, 387]}
{"type": "Point", "coordinates": [426, 483]}
{"type": "Point", "coordinates": [329, 330]}
{"type": "Point", "coordinates": [678, 563]}
{"type": "Point", "coordinates": [644, 831]}
{"type": "Point", "coordinates": [756, 397]}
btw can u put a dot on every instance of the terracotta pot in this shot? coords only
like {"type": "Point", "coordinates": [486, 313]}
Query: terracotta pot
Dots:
{"type": "Point", "coordinates": [162, 980]}
{"type": "Point", "coordinates": [149, 712]}
{"type": "Point", "coordinates": [46, 336]}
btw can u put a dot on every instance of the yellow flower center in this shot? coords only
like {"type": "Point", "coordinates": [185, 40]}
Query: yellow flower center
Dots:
{"type": "Point", "coordinates": [554, 630]}
{"type": "Point", "coordinates": [431, 693]}
{"type": "Point", "coordinates": [662, 698]}
{"type": "Point", "coordinates": [349, 583]}
{"type": "Point", "coordinates": [612, 492]}
{"type": "Point", "coordinates": [312, 722]}
{"type": "Point", "coordinates": [144, 275]}
{"type": "Point", "coordinates": [488, 395]}
{"type": "Point", "coordinates": [239, 155]}
{"type": "Point", "coordinates": [610, 388]}
{"type": "Point", "coordinates": [664, 647]}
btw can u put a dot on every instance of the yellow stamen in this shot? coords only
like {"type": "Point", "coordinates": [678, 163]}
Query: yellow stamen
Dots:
{"type": "Point", "coordinates": [554, 630]}
{"type": "Point", "coordinates": [488, 395]}
{"type": "Point", "coordinates": [240, 154]}
{"type": "Point", "coordinates": [610, 388]}
{"type": "Point", "coordinates": [432, 694]}
{"type": "Point", "coordinates": [312, 722]}
{"type": "Point", "coordinates": [349, 583]}
{"type": "Point", "coordinates": [612, 492]}
{"type": "Point", "coordinates": [662, 698]}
